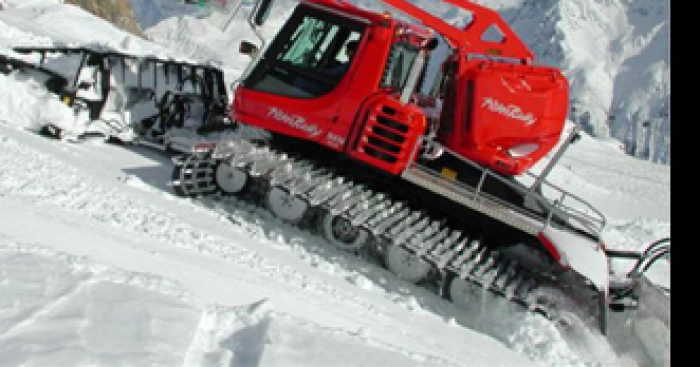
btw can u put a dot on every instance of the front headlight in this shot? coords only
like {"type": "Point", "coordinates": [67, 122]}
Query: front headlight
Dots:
{"type": "Point", "coordinates": [523, 150]}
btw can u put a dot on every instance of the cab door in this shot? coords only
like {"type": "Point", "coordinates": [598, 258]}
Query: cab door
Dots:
{"type": "Point", "coordinates": [297, 86]}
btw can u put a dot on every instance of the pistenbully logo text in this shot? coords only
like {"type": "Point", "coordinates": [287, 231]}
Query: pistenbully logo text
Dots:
{"type": "Point", "coordinates": [294, 121]}
{"type": "Point", "coordinates": [511, 111]}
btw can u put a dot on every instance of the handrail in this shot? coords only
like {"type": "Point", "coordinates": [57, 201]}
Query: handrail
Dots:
{"type": "Point", "coordinates": [566, 210]}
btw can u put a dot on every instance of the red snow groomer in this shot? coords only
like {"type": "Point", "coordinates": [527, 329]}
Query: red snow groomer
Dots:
{"type": "Point", "coordinates": [410, 143]}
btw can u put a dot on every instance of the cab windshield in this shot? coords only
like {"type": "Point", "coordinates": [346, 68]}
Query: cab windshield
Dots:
{"type": "Point", "coordinates": [309, 57]}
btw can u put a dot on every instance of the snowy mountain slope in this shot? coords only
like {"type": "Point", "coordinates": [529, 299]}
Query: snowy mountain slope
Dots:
{"type": "Point", "coordinates": [151, 12]}
{"type": "Point", "coordinates": [202, 40]}
{"type": "Point", "coordinates": [617, 57]}
{"type": "Point", "coordinates": [198, 34]}
{"type": "Point", "coordinates": [46, 23]}
{"type": "Point", "coordinates": [118, 263]}
{"type": "Point", "coordinates": [117, 12]}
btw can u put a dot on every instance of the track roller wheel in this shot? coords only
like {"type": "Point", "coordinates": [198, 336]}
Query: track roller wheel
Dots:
{"type": "Point", "coordinates": [178, 186]}
{"type": "Point", "coordinates": [230, 180]}
{"type": "Point", "coordinates": [467, 295]}
{"type": "Point", "coordinates": [342, 234]}
{"type": "Point", "coordinates": [406, 265]}
{"type": "Point", "coordinates": [289, 208]}
{"type": "Point", "coordinates": [190, 177]}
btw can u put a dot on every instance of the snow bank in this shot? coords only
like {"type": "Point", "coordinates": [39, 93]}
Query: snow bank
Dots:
{"type": "Point", "coordinates": [46, 24]}
{"type": "Point", "coordinates": [65, 310]}
{"type": "Point", "coordinates": [44, 20]}
{"type": "Point", "coordinates": [257, 335]}
{"type": "Point", "coordinates": [208, 35]}
{"type": "Point", "coordinates": [197, 38]}
{"type": "Point", "coordinates": [28, 105]}
{"type": "Point", "coordinates": [62, 310]}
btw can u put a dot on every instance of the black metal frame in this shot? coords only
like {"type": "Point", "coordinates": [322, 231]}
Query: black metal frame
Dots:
{"type": "Point", "coordinates": [214, 93]}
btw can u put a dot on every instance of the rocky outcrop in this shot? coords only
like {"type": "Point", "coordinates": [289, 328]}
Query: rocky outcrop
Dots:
{"type": "Point", "coordinates": [117, 12]}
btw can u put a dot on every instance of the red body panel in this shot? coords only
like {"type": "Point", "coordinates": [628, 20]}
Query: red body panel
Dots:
{"type": "Point", "coordinates": [511, 107]}
{"type": "Point", "coordinates": [308, 119]}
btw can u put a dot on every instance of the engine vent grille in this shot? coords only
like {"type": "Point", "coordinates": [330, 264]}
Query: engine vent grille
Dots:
{"type": "Point", "coordinates": [385, 135]}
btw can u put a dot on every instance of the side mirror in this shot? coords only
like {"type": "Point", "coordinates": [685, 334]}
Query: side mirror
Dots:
{"type": "Point", "coordinates": [262, 12]}
{"type": "Point", "coordinates": [248, 48]}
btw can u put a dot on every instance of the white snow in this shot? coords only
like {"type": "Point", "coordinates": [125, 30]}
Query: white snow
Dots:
{"type": "Point", "coordinates": [32, 106]}
{"type": "Point", "coordinates": [100, 264]}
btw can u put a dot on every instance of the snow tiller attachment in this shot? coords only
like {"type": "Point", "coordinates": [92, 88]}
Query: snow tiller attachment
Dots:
{"type": "Point", "coordinates": [159, 102]}
{"type": "Point", "coordinates": [411, 142]}
{"type": "Point", "coordinates": [634, 290]}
